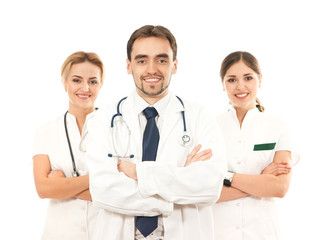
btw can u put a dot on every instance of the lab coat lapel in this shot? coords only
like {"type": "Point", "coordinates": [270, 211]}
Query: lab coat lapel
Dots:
{"type": "Point", "coordinates": [171, 116]}
{"type": "Point", "coordinates": [131, 119]}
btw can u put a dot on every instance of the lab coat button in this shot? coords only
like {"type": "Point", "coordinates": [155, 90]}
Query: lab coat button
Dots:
{"type": "Point", "coordinates": [83, 229]}
{"type": "Point", "coordinates": [237, 227]}
{"type": "Point", "coordinates": [238, 204]}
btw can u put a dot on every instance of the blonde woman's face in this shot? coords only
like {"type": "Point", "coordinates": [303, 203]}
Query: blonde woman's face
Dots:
{"type": "Point", "coordinates": [241, 84]}
{"type": "Point", "coordinates": [83, 84]}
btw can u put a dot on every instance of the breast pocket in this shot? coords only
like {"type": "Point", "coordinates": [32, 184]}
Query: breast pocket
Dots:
{"type": "Point", "coordinates": [262, 155]}
{"type": "Point", "coordinates": [264, 146]}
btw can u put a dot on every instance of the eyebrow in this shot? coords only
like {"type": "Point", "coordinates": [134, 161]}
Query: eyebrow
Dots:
{"type": "Point", "coordinates": [139, 56]}
{"type": "Point", "coordinates": [161, 55]}
{"type": "Point", "coordinates": [246, 74]}
{"type": "Point", "coordinates": [77, 76]}
{"type": "Point", "coordinates": [82, 77]}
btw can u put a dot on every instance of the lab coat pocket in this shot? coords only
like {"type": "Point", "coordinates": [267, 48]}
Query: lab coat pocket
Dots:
{"type": "Point", "coordinates": [261, 156]}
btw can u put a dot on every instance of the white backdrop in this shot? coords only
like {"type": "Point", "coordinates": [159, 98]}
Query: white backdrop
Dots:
{"type": "Point", "coordinates": [37, 36]}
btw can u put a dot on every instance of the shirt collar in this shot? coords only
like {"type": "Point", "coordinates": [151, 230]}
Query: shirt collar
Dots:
{"type": "Point", "coordinates": [141, 104]}
{"type": "Point", "coordinates": [88, 116]}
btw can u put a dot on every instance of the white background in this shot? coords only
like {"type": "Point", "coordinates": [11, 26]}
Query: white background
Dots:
{"type": "Point", "coordinates": [37, 36]}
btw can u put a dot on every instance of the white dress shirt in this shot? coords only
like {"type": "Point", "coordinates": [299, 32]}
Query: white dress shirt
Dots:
{"type": "Point", "coordinates": [251, 218]}
{"type": "Point", "coordinates": [71, 218]}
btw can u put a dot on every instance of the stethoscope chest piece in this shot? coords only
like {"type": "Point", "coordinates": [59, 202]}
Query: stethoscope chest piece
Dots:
{"type": "Point", "coordinates": [185, 139]}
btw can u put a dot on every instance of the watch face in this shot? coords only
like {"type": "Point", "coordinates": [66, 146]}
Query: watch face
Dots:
{"type": "Point", "coordinates": [227, 183]}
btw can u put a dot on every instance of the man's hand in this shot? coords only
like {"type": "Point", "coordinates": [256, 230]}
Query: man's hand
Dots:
{"type": "Point", "coordinates": [128, 168]}
{"type": "Point", "coordinates": [196, 156]}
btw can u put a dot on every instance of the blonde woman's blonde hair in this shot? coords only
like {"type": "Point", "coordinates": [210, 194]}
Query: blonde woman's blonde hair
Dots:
{"type": "Point", "coordinates": [80, 57]}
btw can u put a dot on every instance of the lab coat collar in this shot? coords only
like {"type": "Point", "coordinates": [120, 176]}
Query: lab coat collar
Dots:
{"type": "Point", "coordinates": [174, 105]}
{"type": "Point", "coordinates": [89, 115]}
{"type": "Point", "coordinates": [253, 111]}
{"type": "Point", "coordinates": [72, 119]}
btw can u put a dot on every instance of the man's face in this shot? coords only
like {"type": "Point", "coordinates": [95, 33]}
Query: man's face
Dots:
{"type": "Point", "coordinates": [152, 67]}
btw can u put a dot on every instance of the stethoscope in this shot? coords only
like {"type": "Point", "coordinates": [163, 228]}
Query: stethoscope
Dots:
{"type": "Point", "coordinates": [75, 172]}
{"type": "Point", "coordinates": [184, 140]}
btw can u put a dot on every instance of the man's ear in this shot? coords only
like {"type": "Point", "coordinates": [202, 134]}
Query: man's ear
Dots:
{"type": "Point", "coordinates": [174, 70]}
{"type": "Point", "coordinates": [129, 68]}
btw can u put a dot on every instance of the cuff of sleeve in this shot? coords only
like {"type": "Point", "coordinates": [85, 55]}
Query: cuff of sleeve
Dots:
{"type": "Point", "coordinates": [295, 158]}
{"type": "Point", "coordinates": [169, 210]}
{"type": "Point", "coordinates": [146, 185]}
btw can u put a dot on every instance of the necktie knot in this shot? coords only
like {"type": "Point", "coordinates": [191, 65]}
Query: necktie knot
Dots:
{"type": "Point", "coordinates": [150, 112]}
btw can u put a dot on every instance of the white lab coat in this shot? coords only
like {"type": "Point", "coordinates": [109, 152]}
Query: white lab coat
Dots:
{"type": "Point", "coordinates": [182, 195]}
{"type": "Point", "coordinates": [251, 218]}
{"type": "Point", "coordinates": [71, 218]}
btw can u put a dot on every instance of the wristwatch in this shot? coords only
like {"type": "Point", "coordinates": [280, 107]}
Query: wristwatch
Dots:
{"type": "Point", "coordinates": [228, 179]}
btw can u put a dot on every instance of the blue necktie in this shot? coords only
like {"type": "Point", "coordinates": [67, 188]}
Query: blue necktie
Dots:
{"type": "Point", "coordinates": [146, 225]}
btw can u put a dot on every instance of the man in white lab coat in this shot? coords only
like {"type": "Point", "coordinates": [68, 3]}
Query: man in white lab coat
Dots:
{"type": "Point", "coordinates": [167, 196]}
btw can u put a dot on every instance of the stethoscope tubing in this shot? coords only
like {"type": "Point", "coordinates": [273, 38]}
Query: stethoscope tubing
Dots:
{"type": "Point", "coordinates": [118, 112]}
{"type": "Point", "coordinates": [75, 172]}
{"type": "Point", "coordinates": [183, 113]}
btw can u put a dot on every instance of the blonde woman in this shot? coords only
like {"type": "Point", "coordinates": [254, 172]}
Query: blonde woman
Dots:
{"type": "Point", "coordinates": [60, 172]}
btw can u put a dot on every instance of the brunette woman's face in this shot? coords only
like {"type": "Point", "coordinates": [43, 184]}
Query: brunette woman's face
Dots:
{"type": "Point", "coordinates": [241, 84]}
